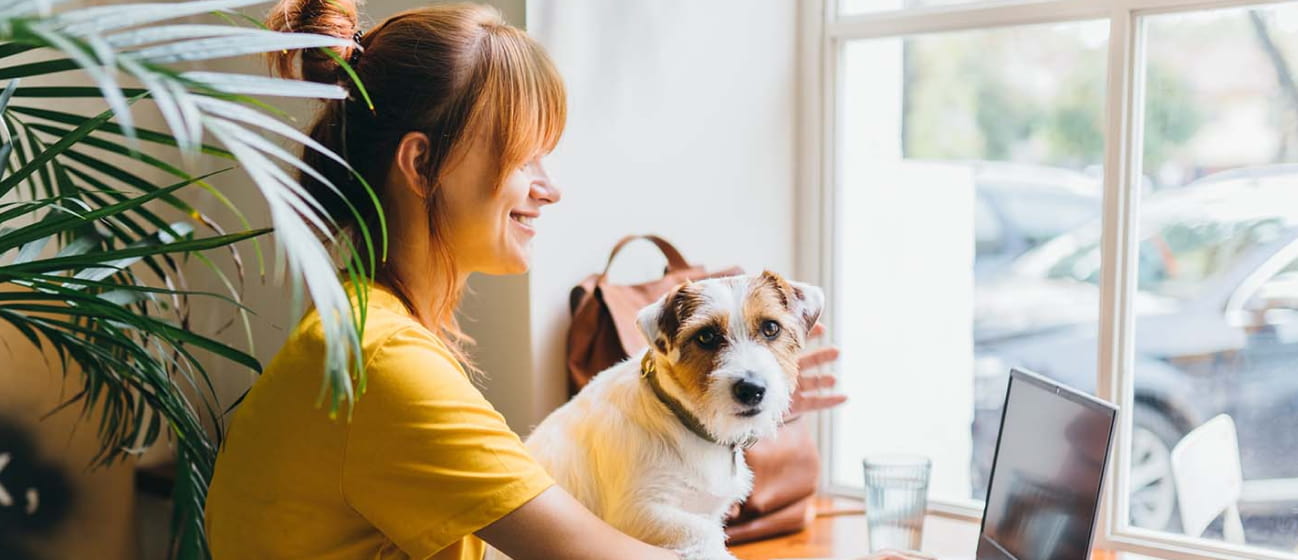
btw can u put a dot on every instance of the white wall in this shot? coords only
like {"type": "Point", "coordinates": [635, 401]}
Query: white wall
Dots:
{"type": "Point", "coordinates": [905, 299]}
{"type": "Point", "coordinates": [681, 122]}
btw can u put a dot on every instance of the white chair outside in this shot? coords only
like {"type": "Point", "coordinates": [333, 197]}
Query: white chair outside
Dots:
{"type": "Point", "coordinates": [1206, 469]}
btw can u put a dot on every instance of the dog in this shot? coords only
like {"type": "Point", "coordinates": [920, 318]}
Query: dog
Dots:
{"type": "Point", "coordinates": [654, 445]}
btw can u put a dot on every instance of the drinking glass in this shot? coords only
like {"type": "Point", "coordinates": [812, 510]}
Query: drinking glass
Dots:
{"type": "Point", "coordinates": [896, 498]}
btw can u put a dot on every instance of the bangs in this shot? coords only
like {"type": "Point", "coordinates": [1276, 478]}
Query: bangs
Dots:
{"type": "Point", "coordinates": [523, 98]}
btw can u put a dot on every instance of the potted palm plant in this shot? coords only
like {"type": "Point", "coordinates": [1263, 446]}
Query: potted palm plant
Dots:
{"type": "Point", "coordinates": [93, 246]}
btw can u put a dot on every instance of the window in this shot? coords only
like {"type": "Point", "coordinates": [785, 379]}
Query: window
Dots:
{"type": "Point", "coordinates": [1103, 192]}
{"type": "Point", "coordinates": [937, 138]}
{"type": "Point", "coordinates": [1220, 135]}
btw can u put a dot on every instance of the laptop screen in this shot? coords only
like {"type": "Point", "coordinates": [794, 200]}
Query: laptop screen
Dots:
{"type": "Point", "coordinates": [1045, 482]}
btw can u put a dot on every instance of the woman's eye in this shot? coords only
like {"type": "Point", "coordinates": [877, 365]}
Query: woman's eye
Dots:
{"type": "Point", "coordinates": [770, 329]}
{"type": "Point", "coordinates": [707, 339]}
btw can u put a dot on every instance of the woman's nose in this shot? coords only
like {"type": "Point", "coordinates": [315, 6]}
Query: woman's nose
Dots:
{"type": "Point", "coordinates": [543, 189]}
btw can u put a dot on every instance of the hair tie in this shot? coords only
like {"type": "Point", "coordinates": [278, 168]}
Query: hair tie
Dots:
{"type": "Point", "coordinates": [358, 49]}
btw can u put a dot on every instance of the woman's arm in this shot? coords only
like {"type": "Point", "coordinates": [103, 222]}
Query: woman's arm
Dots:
{"type": "Point", "coordinates": [554, 525]}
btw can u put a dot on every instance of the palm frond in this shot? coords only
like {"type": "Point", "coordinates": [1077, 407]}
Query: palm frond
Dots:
{"type": "Point", "coordinates": [299, 220]}
{"type": "Point", "coordinates": [100, 268]}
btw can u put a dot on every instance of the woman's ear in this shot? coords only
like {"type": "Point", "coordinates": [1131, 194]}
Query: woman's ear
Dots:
{"type": "Point", "coordinates": [411, 157]}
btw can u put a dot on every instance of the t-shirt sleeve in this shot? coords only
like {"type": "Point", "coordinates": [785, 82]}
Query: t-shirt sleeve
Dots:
{"type": "Point", "coordinates": [429, 461]}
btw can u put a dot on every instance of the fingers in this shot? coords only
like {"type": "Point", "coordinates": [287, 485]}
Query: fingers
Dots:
{"type": "Point", "coordinates": [733, 512]}
{"type": "Point", "coordinates": [817, 330]}
{"type": "Point", "coordinates": [817, 357]}
{"type": "Point", "coordinates": [816, 382]}
{"type": "Point", "coordinates": [806, 402]}
{"type": "Point", "coordinates": [812, 403]}
{"type": "Point", "coordinates": [809, 398]}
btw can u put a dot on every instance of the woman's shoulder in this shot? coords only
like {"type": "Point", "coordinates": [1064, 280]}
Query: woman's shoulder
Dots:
{"type": "Point", "coordinates": [390, 333]}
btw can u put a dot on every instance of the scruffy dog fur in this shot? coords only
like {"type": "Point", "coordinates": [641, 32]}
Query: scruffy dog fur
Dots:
{"type": "Point", "coordinates": [725, 351]}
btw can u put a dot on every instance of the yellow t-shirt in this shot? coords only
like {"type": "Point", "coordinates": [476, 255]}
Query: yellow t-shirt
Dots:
{"type": "Point", "coordinates": [424, 462]}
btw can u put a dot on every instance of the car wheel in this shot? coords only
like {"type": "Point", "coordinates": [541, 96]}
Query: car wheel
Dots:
{"type": "Point", "coordinates": [1153, 492]}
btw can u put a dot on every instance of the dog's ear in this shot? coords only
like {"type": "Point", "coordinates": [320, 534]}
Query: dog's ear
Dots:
{"type": "Point", "coordinates": [659, 321]}
{"type": "Point", "coordinates": [808, 303]}
{"type": "Point", "coordinates": [804, 301]}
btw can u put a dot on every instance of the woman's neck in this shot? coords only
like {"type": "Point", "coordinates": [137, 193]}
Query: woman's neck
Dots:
{"type": "Point", "coordinates": [428, 285]}
{"type": "Point", "coordinates": [424, 288]}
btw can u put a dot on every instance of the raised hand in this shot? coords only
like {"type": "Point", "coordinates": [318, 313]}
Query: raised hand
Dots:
{"type": "Point", "coordinates": [811, 394]}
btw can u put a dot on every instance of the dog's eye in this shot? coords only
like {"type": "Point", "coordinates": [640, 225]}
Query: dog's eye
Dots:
{"type": "Point", "coordinates": [770, 329]}
{"type": "Point", "coordinates": [707, 338]}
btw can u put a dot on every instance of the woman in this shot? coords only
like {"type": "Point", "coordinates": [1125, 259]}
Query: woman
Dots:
{"type": "Point", "coordinates": [464, 107]}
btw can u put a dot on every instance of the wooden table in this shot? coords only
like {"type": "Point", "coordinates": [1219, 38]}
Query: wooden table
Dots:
{"type": "Point", "coordinates": [839, 532]}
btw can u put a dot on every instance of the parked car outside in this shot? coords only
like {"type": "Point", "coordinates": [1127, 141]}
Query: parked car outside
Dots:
{"type": "Point", "coordinates": [1216, 317]}
{"type": "Point", "coordinates": [1018, 207]}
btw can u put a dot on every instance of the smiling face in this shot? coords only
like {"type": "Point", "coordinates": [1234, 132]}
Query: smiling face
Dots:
{"type": "Point", "coordinates": [729, 347]}
{"type": "Point", "coordinates": [491, 228]}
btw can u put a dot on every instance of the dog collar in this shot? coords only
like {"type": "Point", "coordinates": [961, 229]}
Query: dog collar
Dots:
{"type": "Point", "coordinates": [650, 373]}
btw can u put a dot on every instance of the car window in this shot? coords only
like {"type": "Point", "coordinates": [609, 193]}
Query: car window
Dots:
{"type": "Point", "coordinates": [1280, 290]}
{"type": "Point", "coordinates": [1040, 215]}
{"type": "Point", "coordinates": [1179, 257]}
{"type": "Point", "coordinates": [1190, 253]}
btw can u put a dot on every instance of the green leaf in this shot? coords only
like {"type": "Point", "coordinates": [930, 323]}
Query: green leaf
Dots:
{"type": "Point", "coordinates": [351, 73]}
{"type": "Point", "coordinates": [11, 272]}
{"type": "Point", "coordinates": [46, 185]}
{"type": "Point", "coordinates": [63, 144]}
{"type": "Point", "coordinates": [220, 47]}
{"type": "Point", "coordinates": [99, 19]}
{"type": "Point", "coordinates": [70, 91]}
{"type": "Point", "coordinates": [5, 151]}
{"type": "Point", "coordinates": [8, 94]}
{"type": "Point", "coordinates": [36, 281]}
{"type": "Point", "coordinates": [20, 151]}
{"type": "Point", "coordinates": [91, 58]}
{"type": "Point", "coordinates": [143, 133]}
{"type": "Point", "coordinates": [158, 239]}
{"type": "Point", "coordinates": [53, 225]}
{"type": "Point", "coordinates": [98, 164]}
{"type": "Point", "coordinates": [11, 49]}
{"type": "Point", "coordinates": [259, 85]}
{"type": "Point", "coordinates": [37, 68]}
{"type": "Point", "coordinates": [97, 308]}
{"type": "Point", "coordinates": [146, 35]}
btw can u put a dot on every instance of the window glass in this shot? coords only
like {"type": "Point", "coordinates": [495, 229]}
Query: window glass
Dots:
{"type": "Point", "coordinates": [961, 153]}
{"type": "Point", "coordinates": [1216, 324]}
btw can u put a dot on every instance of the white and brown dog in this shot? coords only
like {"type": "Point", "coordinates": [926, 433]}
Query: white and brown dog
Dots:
{"type": "Point", "coordinates": [654, 445]}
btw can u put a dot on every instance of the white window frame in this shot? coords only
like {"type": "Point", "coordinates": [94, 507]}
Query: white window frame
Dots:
{"type": "Point", "coordinates": [823, 33]}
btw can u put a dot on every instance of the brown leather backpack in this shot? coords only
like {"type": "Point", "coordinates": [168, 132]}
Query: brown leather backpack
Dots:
{"type": "Point", "coordinates": [603, 333]}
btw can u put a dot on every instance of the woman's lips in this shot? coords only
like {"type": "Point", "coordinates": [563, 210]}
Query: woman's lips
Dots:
{"type": "Point", "coordinates": [525, 222]}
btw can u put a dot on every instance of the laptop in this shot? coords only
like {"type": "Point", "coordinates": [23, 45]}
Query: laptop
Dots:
{"type": "Point", "coordinates": [1046, 476]}
{"type": "Point", "coordinates": [1050, 459]}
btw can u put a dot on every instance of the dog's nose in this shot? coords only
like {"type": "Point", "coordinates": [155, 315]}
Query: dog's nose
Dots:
{"type": "Point", "coordinates": [749, 391]}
